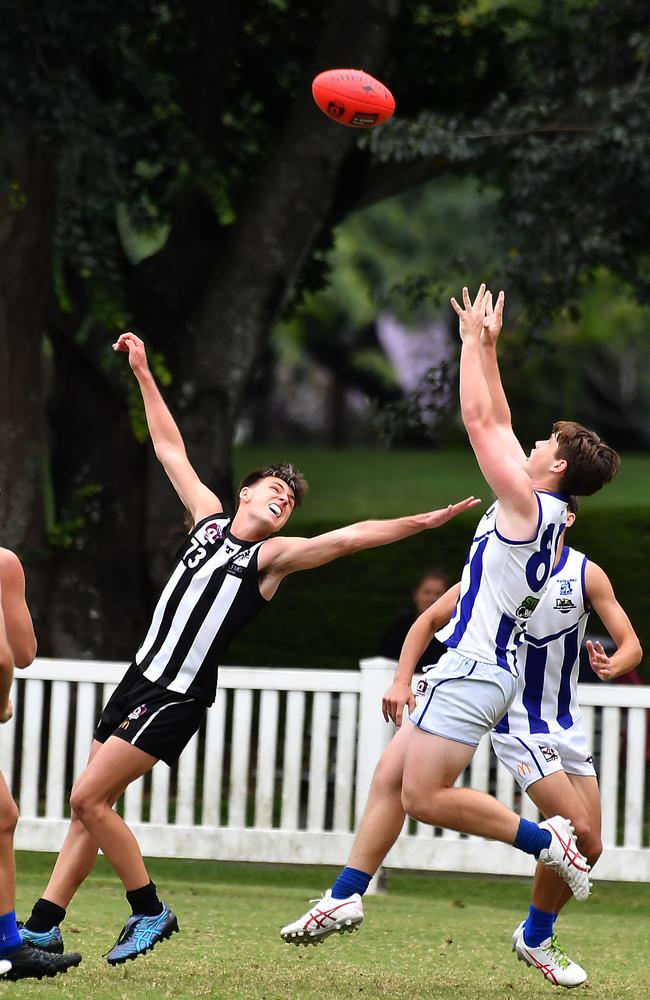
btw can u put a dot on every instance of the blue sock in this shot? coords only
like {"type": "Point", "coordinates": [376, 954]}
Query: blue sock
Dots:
{"type": "Point", "coordinates": [10, 939]}
{"type": "Point", "coordinates": [530, 838]}
{"type": "Point", "coordinates": [350, 880]}
{"type": "Point", "coordinates": [538, 927]}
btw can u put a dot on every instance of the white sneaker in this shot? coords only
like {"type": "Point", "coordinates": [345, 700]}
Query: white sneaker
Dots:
{"type": "Point", "coordinates": [5, 966]}
{"type": "Point", "coordinates": [552, 961]}
{"type": "Point", "coordinates": [562, 856]}
{"type": "Point", "coordinates": [517, 931]}
{"type": "Point", "coordinates": [329, 915]}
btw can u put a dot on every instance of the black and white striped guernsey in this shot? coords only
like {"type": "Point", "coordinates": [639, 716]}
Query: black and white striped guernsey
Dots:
{"type": "Point", "coordinates": [213, 591]}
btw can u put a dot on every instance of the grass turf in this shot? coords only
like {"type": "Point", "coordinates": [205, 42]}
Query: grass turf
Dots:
{"type": "Point", "coordinates": [430, 937]}
{"type": "Point", "coordinates": [356, 483]}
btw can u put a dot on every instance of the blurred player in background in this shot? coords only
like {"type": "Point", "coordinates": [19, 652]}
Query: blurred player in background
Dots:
{"type": "Point", "coordinates": [430, 587]}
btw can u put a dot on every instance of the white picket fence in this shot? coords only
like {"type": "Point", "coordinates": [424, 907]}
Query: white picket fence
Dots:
{"type": "Point", "coordinates": [280, 771]}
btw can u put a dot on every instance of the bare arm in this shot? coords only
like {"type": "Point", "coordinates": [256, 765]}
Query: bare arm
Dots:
{"type": "Point", "coordinates": [281, 556]}
{"type": "Point", "coordinates": [602, 598]}
{"type": "Point", "coordinates": [166, 437]}
{"type": "Point", "coordinates": [491, 329]}
{"type": "Point", "coordinates": [19, 628]}
{"type": "Point", "coordinates": [417, 639]}
{"type": "Point", "coordinates": [6, 671]}
{"type": "Point", "coordinates": [510, 482]}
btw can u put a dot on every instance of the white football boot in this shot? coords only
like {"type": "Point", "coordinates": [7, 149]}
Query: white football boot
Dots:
{"type": "Point", "coordinates": [564, 858]}
{"type": "Point", "coordinates": [517, 931]}
{"type": "Point", "coordinates": [551, 960]}
{"type": "Point", "coordinates": [325, 918]}
{"type": "Point", "coordinates": [5, 966]}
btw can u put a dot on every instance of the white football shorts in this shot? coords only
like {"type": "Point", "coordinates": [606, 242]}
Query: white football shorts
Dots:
{"type": "Point", "coordinates": [530, 758]}
{"type": "Point", "coordinates": [461, 699]}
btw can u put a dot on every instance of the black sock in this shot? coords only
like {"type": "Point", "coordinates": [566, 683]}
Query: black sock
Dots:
{"type": "Point", "coordinates": [144, 901]}
{"type": "Point", "coordinates": [45, 916]}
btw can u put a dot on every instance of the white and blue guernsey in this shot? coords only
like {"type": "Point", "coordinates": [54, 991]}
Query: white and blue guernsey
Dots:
{"type": "Point", "coordinates": [546, 700]}
{"type": "Point", "coordinates": [502, 584]}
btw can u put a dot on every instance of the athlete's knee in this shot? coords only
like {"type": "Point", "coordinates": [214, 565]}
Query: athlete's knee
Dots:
{"type": "Point", "coordinates": [387, 779]}
{"type": "Point", "coordinates": [587, 838]}
{"type": "Point", "coordinates": [8, 819]}
{"type": "Point", "coordinates": [420, 807]}
{"type": "Point", "coordinates": [84, 802]}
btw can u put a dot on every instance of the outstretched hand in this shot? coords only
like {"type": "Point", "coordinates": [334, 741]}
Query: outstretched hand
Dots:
{"type": "Point", "coordinates": [135, 348]}
{"type": "Point", "coordinates": [396, 698]}
{"type": "Point", "coordinates": [471, 314]}
{"type": "Point", "coordinates": [493, 319]}
{"type": "Point", "coordinates": [437, 517]}
{"type": "Point", "coordinates": [599, 661]}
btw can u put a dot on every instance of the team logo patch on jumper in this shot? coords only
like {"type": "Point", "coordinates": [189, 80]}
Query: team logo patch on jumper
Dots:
{"type": "Point", "coordinates": [549, 754]}
{"type": "Point", "coordinates": [527, 606]}
{"type": "Point", "coordinates": [564, 605]}
{"type": "Point", "coordinates": [566, 587]}
{"type": "Point", "coordinates": [213, 532]}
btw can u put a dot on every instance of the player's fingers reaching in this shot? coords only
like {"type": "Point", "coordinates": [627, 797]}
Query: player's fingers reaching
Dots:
{"type": "Point", "coordinates": [467, 302]}
{"type": "Point", "coordinates": [128, 342]}
{"type": "Point", "coordinates": [498, 309]}
{"type": "Point", "coordinates": [479, 301]}
{"type": "Point", "coordinates": [458, 309]}
{"type": "Point", "coordinates": [463, 505]}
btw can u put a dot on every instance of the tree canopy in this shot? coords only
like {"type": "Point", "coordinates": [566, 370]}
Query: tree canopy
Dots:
{"type": "Point", "coordinates": [163, 166]}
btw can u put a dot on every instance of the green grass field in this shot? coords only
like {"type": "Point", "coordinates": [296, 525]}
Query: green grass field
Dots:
{"type": "Point", "coordinates": [356, 483]}
{"type": "Point", "coordinates": [429, 937]}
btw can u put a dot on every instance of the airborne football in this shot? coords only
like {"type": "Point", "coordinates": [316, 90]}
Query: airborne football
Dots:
{"type": "Point", "coordinates": [352, 97]}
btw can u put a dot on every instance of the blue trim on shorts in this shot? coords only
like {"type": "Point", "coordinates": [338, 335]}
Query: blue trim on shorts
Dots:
{"type": "Point", "coordinates": [526, 747]}
{"type": "Point", "coordinates": [435, 687]}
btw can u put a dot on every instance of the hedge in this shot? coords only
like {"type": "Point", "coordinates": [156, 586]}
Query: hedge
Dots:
{"type": "Point", "coordinates": [333, 616]}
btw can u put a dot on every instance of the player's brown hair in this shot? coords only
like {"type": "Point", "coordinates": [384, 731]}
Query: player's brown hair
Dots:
{"type": "Point", "coordinates": [590, 462]}
{"type": "Point", "coordinates": [280, 470]}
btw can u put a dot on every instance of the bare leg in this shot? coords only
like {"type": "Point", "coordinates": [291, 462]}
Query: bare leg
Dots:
{"type": "Point", "coordinates": [114, 766]}
{"type": "Point", "coordinates": [8, 820]}
{"type": "Point", "coordinates": [383, 816]}
{"type": "Point", "coordinates": [431, 767]}
{"type": "Point", "coordinates": [77, 856]}
{"type": "Point", "coordinates": [577, 797]}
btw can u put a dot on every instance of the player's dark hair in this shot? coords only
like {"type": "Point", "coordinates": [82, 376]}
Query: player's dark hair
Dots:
{"type": "Point", "coordinates": [280, 470]}
{"type": "Point", "coordinates": [434, 573]}
{"type": "Point", "coordinates": [590, 462]}
{"type": "Point", "coordinates": [573, 506]}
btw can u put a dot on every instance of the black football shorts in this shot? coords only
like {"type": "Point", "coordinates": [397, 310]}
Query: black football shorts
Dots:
{"type": "Point", "coordinates": [150, 717]}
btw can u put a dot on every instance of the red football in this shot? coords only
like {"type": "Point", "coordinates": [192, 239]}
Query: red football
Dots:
{"type": "Point", "coordinates": [352, 97]}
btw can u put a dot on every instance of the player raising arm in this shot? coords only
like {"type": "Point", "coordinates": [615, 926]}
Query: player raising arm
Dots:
{"type": "Point", "coordinates": [228, 571]}
{"type": "Point", "coordinates": [505, 575]}
{"type": "Point", "coordinates": [541, 742]}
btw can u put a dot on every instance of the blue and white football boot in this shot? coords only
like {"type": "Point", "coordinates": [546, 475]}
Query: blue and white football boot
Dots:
{"type": "Point", "coordinates": [140, 934]}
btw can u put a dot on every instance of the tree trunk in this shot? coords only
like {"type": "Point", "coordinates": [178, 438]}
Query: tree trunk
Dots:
{"type": "Point", "coordinates": [99, 598]}
{"type": "Point", "coordinates": [27, 205]}
{"type": "Point", "coordinates": [294, 202]}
